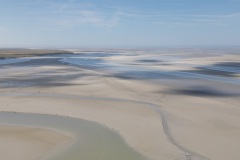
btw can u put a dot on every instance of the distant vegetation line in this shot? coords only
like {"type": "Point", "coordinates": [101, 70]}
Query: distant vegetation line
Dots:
{"type": "Point", "coordinates": [15, 53]}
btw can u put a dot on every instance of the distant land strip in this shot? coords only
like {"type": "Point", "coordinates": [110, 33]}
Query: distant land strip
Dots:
{"type": "Point", "coordinates": [15, 53]}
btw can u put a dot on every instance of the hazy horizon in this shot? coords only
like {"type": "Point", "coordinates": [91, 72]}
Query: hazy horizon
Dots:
{"type": "Point", "coordinates": [125, 47]}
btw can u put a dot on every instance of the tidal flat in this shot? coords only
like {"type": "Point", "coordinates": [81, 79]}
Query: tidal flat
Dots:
{"type": "Point", "coordinates": [165, 103]}
{"type": "Point", "coordinates": [87, 140]}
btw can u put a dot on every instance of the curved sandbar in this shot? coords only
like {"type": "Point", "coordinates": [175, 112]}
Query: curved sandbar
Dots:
{"type": "Point", "coordinates": [91, 140]}
{"type": "Point", "coordinates": [30, 143]}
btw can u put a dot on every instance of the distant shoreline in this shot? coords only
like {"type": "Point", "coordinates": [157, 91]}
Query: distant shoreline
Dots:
{"type": "Point", "coordinates": [16, 53]}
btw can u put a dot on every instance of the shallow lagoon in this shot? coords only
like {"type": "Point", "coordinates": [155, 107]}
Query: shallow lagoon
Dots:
{"type": "Point", "coordinates": [91, 140]}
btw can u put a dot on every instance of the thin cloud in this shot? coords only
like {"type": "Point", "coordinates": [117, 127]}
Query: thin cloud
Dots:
{"type": "Point", "coordinates": [85, 17]}
{"type": "Point", "coordinates": [187, 19]}
{"type": "Point", "coordinates": [74, 13]}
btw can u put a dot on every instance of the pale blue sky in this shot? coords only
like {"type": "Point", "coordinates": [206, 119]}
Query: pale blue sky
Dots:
{"type": "Point", "coordinates": [77, 23]}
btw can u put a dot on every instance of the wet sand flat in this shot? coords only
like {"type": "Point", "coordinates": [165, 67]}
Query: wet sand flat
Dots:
{"type": "Point", "coordinates": [163, 108]}
{"type": "Point", "coordinates": [84, 138]}
{"type": "Point", "coordinates": [18, 142]}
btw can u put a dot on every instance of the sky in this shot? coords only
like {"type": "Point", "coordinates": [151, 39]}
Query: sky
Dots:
{"type": "Point", "coordinates": [120, 23]}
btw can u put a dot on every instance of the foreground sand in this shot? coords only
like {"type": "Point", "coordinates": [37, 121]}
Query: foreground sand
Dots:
{"type": "Point", "coordinates": [18, 142]}
{"type": "Point", "coordinates": [154, 120]}
{"type": "Point", "coordinates": [139, 125]}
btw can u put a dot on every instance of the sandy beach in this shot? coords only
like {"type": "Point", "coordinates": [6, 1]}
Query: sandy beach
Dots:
{"type": "Point", "coordinates": [175, 105]}
{"type": "Point", "coordinates": [18, 142]}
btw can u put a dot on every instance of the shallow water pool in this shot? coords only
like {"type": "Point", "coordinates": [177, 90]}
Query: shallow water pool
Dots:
{"type": "Point", "coordinates": [92, 141]}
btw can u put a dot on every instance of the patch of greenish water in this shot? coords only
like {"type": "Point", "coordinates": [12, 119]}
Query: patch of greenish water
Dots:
{"type": "Point", "coordinates": [92, 141]}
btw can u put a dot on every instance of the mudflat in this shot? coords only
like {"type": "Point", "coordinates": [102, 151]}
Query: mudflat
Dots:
{"type": "Point", "coordinates": [166, 104]}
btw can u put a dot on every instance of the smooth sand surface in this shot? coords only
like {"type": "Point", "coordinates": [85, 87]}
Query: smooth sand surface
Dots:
{"type": "Point", "coordinates": [18, 142]}
{"type": "Point", "coordinates": [169, 119]}
{"type": "Point", "coordinates": [89, 140]}
{"type": "Point", "coordinates": [140, 126]}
